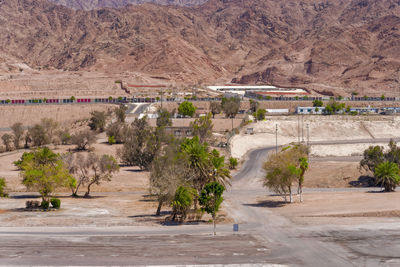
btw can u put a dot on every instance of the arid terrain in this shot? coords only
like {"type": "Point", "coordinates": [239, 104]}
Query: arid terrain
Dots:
{"type": "Point", "coordinates": [335, 47]}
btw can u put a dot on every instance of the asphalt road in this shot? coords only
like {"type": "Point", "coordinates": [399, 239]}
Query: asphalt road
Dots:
{"type": "Point", "coordinates": [264, 237]}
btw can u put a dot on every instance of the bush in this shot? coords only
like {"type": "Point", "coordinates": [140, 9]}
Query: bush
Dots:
{"type": "Point", "coordinates": [2, 188]}
{"type": "Point", "coordinates": [55, 203]}
{"type": "Point", "coordinates": [233, 162]}
{"type": "Point", "coordinates": [111, 140]}
{"type": "Point", "coordinates": [45, 205]}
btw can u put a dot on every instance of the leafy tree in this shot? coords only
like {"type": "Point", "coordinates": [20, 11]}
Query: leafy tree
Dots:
{"type": "Point", "coordinates": [182, 202]}
{"type": "Point", "coordinates": [260, 114]}
{"type": "Point", "coordinates": [168, 171]}
{"type": "Point", "coordinates": [186, 108]}
{"type": "Point", "coordinates": [97, 121]}
{"type": "Point", "coordinates": [7, 141]}
{"type": "Point", "coordinates": [233, 162]}
{"type": "Point", "coordinates": [333, 107]}
{"type": "Point", "coordinates": [120, 113]}
{"type": "Point", "coordinates": [18, 132]}
{"type": "Point", "coordinates": [43, 171]}
{"type": "Point", "coordinates": [382, 97]}
{"type": "Point", "coordinates": [317, 103]}
{"type": "Point", "coordinates": [83, 139]}
{"type": "Point", "coordinates": [230, 106]}
{"type": "Point", "coordinates": [202, 127]}
{"type": "Point", "coordinates": [215, 108]}
{"type": "Point", "coordinates": [372, 157]}
{"type": "Point", "coordinates": [3, 187]}
{"type": "Point", "coordinates": [387, 175]}
{"type": "Point", "coordinates": [211, 199]}
{"type": "Point", "coordinates": [300, 171]}
{"type": "Point", "coordinates": [141, 145]}
{"type": "Point", "coordinates": [283, 169]}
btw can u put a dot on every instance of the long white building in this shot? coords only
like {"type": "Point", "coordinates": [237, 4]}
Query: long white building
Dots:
{"type": "Point", "coordinates": [242, 89]}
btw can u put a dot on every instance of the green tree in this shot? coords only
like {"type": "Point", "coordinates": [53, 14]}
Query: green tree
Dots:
{"type": "Point", "coordinates": [215, 108]}
{"type": "Point", "coordinates": [44, 171]}
{"type": "Point", "coordinates": [182, 202]}
{"type": "Point", "coordinates": [333, 107]}
{"type": "Point", "coordinates": [233, 163]}
{"type": "Point", "coordinates": [372, 157]}
{"type": "Point", "coordinates": [202, 127]}
{"type": "Point", "coordinates": [283, 169]}
{"type": "Point", "coordinates": [3, 187]}
{"type": "Point", "coordinates": [186, 108]}
{"type": "Point", "coordinates": [18, 132]}
{"type": "Point", "coordinates": [382, 97]}
{"type": "Point", "coordinates": [387, 175]}
{"type": "Point", "coordinates": [141, 145]}
{"type": "Point", "coordinates": [317, 103]}
{"type": "Point", "coordinates": [168, 171]}
{"type": "Point", "coordinates": [260, 114]}
{"type": "Point", "coordinates": [97, 121]}
{"type": "Point", "coordinates": [230, 106]}
{"type": "Point", "coordinates": [211, 199]}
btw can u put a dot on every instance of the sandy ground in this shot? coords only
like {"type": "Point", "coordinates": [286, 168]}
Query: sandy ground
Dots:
{"type": "Point", "coordinates": [338, 207]}
{"type": "Point", "coordinates": [341, 150]}
{"type": "Point", "coordinates": [320, 128]}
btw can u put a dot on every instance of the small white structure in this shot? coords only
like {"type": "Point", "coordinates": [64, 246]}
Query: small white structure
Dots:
{"type": "Point", "coordinates": [310, 110]}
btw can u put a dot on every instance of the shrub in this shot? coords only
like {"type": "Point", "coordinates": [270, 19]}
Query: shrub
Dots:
{"type": "Point", "coordinates": [45, 205]}
{"type": "Point", "coordinates": [233, 162]}
{"type": "Point", "coordinates": [2, 188]}
{"type": "Point", "coordinates": [55, 203]}
{"type": "Point", "coordinates": [111, 140]}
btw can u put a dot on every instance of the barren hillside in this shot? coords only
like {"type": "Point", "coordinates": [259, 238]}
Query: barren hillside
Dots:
{"type": "Point", "coordinates": [340, 46]}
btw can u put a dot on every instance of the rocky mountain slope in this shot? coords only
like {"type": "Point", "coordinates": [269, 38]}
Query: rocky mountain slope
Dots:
{"type": "Point", "coordinates": [95, 4]}
{"type": "Point", "coordinates": [326, 45]}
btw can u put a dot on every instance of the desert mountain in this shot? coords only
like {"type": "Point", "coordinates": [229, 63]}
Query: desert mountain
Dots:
{"type": "Point", "coordinates": [95, 4]}
{"type": "Point", "coordinates": [326, 45]}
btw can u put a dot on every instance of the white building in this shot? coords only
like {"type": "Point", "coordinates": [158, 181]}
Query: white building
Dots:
{"type": "Point", "coordinates": [310, 110]}
{"type": "Point", "coordinates": [242, 89]}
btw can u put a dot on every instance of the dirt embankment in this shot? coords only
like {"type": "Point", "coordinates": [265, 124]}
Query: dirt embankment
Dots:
{"type": "Point", "coordinates": [64, 114]}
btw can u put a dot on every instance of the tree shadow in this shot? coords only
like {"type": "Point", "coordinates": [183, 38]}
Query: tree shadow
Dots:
{"type": "Point", "coordinates": [134, 170]}
{"type": "Point", "coordinates": [267, 203]}
{"type": "Point", "coordinates": [25, 196]}
{"type": "Point", "coordinates": [363, 181]}
{"type": "Point", "coordinates": [163, 213]}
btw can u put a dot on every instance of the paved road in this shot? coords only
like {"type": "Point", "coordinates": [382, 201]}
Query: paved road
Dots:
{"type": "Point", "coordinates": [264, 238]}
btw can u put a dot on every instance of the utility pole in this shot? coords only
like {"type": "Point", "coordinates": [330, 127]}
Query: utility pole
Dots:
{"type": "Point", "coordinates": [308, 135]}
{"type": "Point", "coordinates": [302, 128]}
{"type": "Point", "coordinates": [161, 93]}
{"type": "Point", "coordinates": [276, 138]}
{"type": "Point", "coordinates": [298, 126]}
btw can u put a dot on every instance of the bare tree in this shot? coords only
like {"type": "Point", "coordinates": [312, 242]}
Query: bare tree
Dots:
{"type": "Point", "coordinates": [83, 139]}
{"type": "Point", "coordinates": [202, 127]}
{"type": "Point", "coordinates": [7, 140]}
{"type": "Point", "coordinates": [50, 127]}
{"type": "Point", "coordinates": [215, 108]}
{"type": "Point", "coordinates": [38, 135]}
{"type": "Point", "coordinates": [120, 113]}
{"type": "Point", "coordinates": [18, 132]}
{"type": "Point", "coordinates": [89, 170]}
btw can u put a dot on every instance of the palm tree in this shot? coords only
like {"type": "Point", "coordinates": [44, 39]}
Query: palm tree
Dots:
{"type": "Point", "coordinates": [303, 169]}
{"type": "Point", "coordinates": [220, 173]}
{"type": "Point", "coordinates": [387, 175]}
